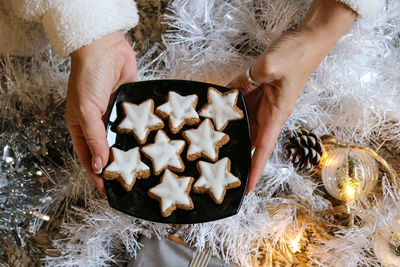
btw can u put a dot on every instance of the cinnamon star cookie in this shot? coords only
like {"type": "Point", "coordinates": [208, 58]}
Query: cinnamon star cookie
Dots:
{"type": "Point", "coordinates": [172, 193]}
{"type": "Point", "coordinates": [215, 179]}
{"type": "Point", "coordinates": [165, 153]}
{"type": "Point", "coordinates": [126, 167]}
{"type": "Point", "coordinates": [180, 110]}
{"type": "Point", "coordinates": [139, 120]}
{"type": "Point", "coordinates": [204, 141]}
{"type": "Point", "coordinates": [221, 108]}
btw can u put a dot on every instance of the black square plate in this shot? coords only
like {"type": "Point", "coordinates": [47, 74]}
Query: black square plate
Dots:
{"type": "Point", "coordinates": [136, 202]}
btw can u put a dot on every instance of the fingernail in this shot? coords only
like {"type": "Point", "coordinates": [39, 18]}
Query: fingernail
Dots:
{"type": "Point", "coordinates": [97, 165]}
{"type": "Point", "coordinates": [248, 190]}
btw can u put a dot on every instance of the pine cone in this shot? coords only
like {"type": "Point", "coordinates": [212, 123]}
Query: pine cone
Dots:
{"type": "Point", "coordinates": [304, 149]}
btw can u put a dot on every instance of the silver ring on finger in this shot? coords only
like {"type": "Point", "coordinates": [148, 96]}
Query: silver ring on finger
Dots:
{"type": "Point", "coordinates": [250, 80]}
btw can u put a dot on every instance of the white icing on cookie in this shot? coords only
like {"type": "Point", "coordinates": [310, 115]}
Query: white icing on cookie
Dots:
{"type": "Point", "coordinates": [165, 153]}
{"type": "Point", "coordinates": [204, 140]}
{"type": "Point", "coordinates": [221, 108]}
{"type": "Point", "coordinates": [216, 177]}
{"type": "Point", "coordinates": [127, 164]}
{"type": "Point", "coordinates": [140, 119]}
{"type": "Point", "coordinates": [179, 109]}
{"type": "Point", "coordinates": [172, 190]}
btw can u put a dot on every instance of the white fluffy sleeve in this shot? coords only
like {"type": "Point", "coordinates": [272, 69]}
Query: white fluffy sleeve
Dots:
{"type": "Point", "coordinates": [71, 24]}
{"type": "Point", "coordinates": [74, 23]}
{"type": "Point", "coordinates": [365, 8]}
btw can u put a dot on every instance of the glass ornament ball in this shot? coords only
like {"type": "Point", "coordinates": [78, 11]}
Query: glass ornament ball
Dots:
{"type": "Point", "coordinates": [348, 172]}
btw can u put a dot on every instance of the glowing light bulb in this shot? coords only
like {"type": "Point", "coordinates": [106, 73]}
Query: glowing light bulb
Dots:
{"type": "Point", "coordinates": [295, 244]}
{"type": "Point", "coordinates": [9, 159]}
{"type": "Point", "coordinates": [350, 192]}
{"type": "Point", "coordinates": [40, 216]}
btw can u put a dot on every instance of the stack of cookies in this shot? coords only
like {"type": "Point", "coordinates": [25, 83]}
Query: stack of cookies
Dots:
{"type": "Point", "coordinates": [203, 142]}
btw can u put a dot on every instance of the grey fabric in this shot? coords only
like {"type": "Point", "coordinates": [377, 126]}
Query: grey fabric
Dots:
{"type": "Point", "coordinates": [168, 253]}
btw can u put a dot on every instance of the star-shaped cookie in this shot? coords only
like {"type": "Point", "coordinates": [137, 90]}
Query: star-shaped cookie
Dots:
{"type": "Point", "coordinates": [165, 153]}
{"type": "Point", "coordinates": [215, 179]}
{"type": "Point", "coordinates": [126, 167]}
{"type": "Point", "coordinates": [180, 110]}
{"type": "Point", "coordinates": [139, 120]}
{"type": "Point", "coordinates": [221, 108]}
{"type": "Point", "coordinates": [172, 193]}
{"type": "Point", "coordinates": [204, 141]}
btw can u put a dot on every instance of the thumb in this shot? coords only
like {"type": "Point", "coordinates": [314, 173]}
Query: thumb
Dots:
{"type": "Point", "coordinates": [129, 69]}
{"type": "Point", "coordinates": [265, 143]}
{"type": "Point", "coordinates": [267, 134]}
{"type": "Point", "coordinates": [95, 135]}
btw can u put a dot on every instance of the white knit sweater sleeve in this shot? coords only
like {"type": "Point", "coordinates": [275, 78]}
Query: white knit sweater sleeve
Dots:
{"type": "Point", "coordinates": [365, 8]}
{"type": "Point", "coordinates": [71, 24]}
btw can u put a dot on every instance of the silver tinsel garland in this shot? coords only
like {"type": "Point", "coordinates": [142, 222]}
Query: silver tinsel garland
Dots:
{"type": "Point", "coordinates": [32, 142]}
{"type": "Point", "coordinates": [354, 94]}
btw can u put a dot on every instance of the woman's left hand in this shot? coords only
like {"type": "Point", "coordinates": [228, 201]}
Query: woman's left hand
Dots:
{"type": "Point", "coordinates": [282, 70]}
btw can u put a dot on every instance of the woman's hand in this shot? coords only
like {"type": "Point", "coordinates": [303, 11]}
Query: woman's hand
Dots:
{"type": "Point", "coordinates": [282, 70]}
{"type": "Point", "coordinates": [96, 72]}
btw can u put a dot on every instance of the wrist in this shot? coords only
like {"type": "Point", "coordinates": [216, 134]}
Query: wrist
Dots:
{"type": "Point", "coordinates": [105, 43]}
{"type": "Point", "coordinates": [326, 21]}
{"type": "Point", "coordinates": [330, 15]}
